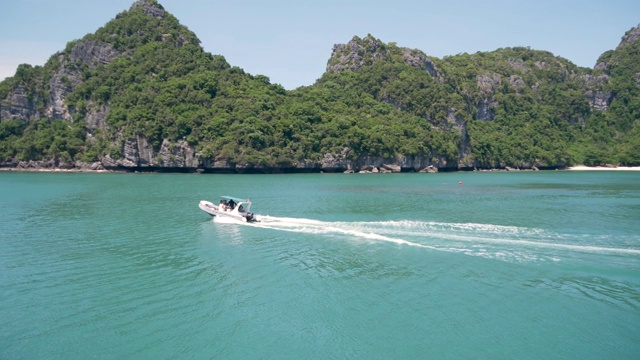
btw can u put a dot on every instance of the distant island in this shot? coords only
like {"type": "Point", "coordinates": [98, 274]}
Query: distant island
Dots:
{"type": "Point", "coordinates": [140, 94]}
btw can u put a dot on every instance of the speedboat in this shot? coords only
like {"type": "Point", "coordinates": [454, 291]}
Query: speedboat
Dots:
{"type": "Point", "coordinates": [229, 206]}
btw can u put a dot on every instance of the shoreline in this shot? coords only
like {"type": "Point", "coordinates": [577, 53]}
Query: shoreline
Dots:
{"type": "Point", "coordinates": [231, 171]}
{"type": "Point", "coordinates": [58, 170]}
{"type": "Point", "coordinates": [603, 168]}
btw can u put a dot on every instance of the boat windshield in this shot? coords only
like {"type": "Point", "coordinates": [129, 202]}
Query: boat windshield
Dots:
{"type": "Point", "coordinates": [231, 202]}
{"type": "Point", "coordinates": [235, 199]}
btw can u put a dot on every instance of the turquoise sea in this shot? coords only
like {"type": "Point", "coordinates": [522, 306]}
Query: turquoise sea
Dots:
{"type": "Point", "coordinates": [524, 265]}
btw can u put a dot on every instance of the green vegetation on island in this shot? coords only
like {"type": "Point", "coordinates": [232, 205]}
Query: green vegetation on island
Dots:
{"type": "Point", "coordinates": [141, 92]}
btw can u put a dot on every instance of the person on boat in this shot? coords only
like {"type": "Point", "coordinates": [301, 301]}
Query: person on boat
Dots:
{"type": "Point", "coordinates": [223, 204]}
{"type": "Point", "coordinates": [232, 204]}
{"type": "Point", "coordinates": [240, 209]}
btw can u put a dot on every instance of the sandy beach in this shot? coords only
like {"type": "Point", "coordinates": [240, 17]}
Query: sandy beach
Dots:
{"type": "Point", "coordinates": [603, 168]}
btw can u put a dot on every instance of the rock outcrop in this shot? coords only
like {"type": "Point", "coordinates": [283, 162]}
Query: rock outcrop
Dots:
{"type": "Point", "coordinates": [356, 54]}
{"type": "Point", "coordinates": [24, 104]}
{"type": "Point", "coordinates": [84, 52]}
{"type": "Point", "coordinates": [139, 154]}
{"type": "Point", "coordinates": [599, 99]}
{"type": "Point", "coordinates": [487, 85]}
{"type": "Point", "coordinates": [149, 8]}
{"type": "Point", "coordinates": [19, 105]}
{"type": "Point", "coordinates": [362, 52]}
{"type": "Point", "coordinates": [418, 59]}
{"type": "Point", "coordinates": [92, 53]}
{"type": "Point", "coordinates": [336, 162]}
{"type": "Point", "coordinates": [630, 36]}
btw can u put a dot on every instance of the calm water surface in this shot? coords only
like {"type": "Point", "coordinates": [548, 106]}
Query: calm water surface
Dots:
{"type": "Point", "coordinates": [542, 265]}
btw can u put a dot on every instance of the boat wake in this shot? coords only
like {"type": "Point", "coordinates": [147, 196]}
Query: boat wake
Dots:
{"type": "Point", "coordinates": [507, 243]}
{"type": "Point", "coordinates": [329, 228]}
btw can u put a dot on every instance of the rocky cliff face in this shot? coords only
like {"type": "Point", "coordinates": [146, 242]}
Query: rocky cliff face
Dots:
{"type": "Point", "coordinates": [487, 85]}
{"type": "Point", "coordinates": [149, 8]}
{"type": "Point", "coordinates": [630, 36]}
{"type": "Point", "coordinates": [19, 105]}
{"type": "Point", "coordinates": [340, 163]}
{"type": "Point", "coordinates": [363, 52]}
{"type": "Point", "coordinates": [418, 59]}
{"type": "Point", "coordinates": [66, 76]}
{"type": "Point", "coordinates": [138, 154]}
{"type": "Point", "coordinates": [599, 99]}
{"type": "Point", "coordinates": [356, 54]}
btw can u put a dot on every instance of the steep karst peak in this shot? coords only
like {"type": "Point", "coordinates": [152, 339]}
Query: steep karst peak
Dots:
{"type": "Point", "coordinates": [368, 41]}
{"type": "Point", "coordinates": [150, 8]}
{"type": "Point", "coordinates": [630, 36]}
{"type": "Point", "coordinates": [360, 52]}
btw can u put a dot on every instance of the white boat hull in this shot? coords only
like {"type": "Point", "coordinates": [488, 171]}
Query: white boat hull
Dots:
{"type": "Point", "coordinates": [216, 210]}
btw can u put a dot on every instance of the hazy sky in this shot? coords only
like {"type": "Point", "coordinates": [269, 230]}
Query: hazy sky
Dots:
{"type": "Point", "coordinates": [291, 41]}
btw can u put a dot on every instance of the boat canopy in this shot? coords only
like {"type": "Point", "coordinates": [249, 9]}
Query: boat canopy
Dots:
{"type": "Point", "coordinates": [235, 199]}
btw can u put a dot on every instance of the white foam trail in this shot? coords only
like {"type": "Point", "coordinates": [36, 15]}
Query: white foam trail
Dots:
{"type": "Point", "coordinates": [456, 232]}
{"type": "Point", "coordinates": [581, 248]}
{"type": "Point", "coordinates": [321, 227]}
{"type": "Point", "coordinates": [475, 235]}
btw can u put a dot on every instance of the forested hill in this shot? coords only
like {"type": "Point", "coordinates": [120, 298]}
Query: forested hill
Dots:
{"type": "Point", "coordinates": [141, 94]}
